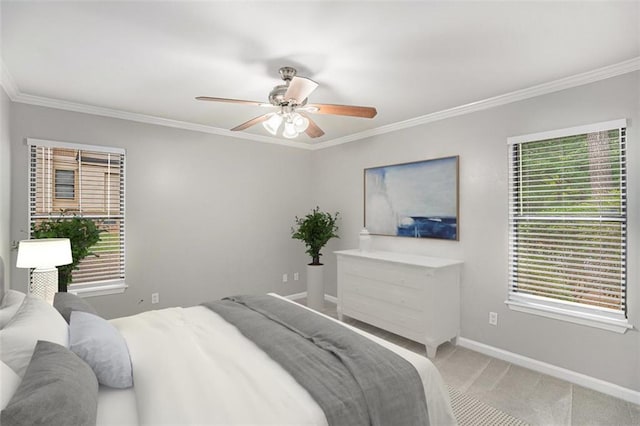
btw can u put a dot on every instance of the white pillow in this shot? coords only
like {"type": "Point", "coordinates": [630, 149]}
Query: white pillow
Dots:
{"type": "Point", "coordinates": [35, 320]}
{"type": "Point", "coordinates": [101, 345]}
{"type": "Point", "coordinates": [11, 302]}
{"type": "Point", "coordinates": [9, 382]}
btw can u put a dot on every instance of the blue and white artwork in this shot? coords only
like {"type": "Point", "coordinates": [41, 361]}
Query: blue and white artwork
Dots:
{"type": "Point", "coordinates": [418, 200]}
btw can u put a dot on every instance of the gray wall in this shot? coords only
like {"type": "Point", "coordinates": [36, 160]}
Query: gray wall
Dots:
{"type": "Point", "coordinates": [207, 216]}
{"type": "Point", "coordinates": [480, 140]}
{"type": "Point", "coordinates": [5, 185]}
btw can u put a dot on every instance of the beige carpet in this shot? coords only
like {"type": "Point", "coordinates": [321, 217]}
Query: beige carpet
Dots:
{"type": "Point", "coordinates": [471, 412]}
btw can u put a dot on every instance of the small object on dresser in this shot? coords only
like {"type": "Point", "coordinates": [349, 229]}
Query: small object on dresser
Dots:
{"type": "Point", "coordinates": [365, 240]}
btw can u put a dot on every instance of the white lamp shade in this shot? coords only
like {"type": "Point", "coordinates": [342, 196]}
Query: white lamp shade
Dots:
{"type": "Point", "coordinates": [273, 123]}
{"type": "Point", "coordinates": [300, 123]}
{"type": "Point", "coordinates": [289, 130]}
{"type": "Point", "coordinates": [44, 253]}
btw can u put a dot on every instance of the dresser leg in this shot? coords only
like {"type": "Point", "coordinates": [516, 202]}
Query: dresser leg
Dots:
{"type": "Point", "coordinates": [339, 309]}
{"type": "Point", "coordinates": [431, 351]}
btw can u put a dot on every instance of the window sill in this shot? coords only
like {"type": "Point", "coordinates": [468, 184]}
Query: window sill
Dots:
{"type": "Point", "coordinates": [562, 313]}
{"type": "Point", "coordinates": [98, 288]}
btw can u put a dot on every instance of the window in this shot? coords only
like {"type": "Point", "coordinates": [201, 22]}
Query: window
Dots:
{"type": "Point", "coordinates": [70, 179]}
{"type": "Point", "coordinates": [567, 225]}
{"type": "Point", "coordinates": [65, 184]}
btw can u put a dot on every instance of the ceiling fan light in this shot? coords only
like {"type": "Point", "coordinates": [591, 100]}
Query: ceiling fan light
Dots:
{"type": "Point", "coordinates": [289, 131]}
{"type": "Point", "coordinates": [300, 122]}
{"type": "Point", "coordinates": [272, 124]}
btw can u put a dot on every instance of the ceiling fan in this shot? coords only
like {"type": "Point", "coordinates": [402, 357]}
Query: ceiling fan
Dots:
{"type": "Point", "coordinates": [291, 100]}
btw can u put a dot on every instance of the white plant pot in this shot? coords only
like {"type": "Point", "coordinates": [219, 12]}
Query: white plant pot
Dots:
{"type": "Point", "coordinates": [315, 287]}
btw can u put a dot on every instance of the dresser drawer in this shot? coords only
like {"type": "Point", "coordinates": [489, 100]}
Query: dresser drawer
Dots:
{"type": "Point", "coordinates": [408, 319]}
{"type": "Point", "coordinates": [388, 292]}
{"type": "Point", "coordinates": [372, 270]}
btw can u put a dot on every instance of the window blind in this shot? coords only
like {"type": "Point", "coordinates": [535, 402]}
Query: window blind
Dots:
{"type": "Point", "coordinates": [567, 218]}
{"type": "Point", "coordinates": [67, 180]}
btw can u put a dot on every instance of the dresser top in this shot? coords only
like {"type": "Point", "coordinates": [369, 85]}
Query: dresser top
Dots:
{"type": "Point", "coordinates": [407, 259]}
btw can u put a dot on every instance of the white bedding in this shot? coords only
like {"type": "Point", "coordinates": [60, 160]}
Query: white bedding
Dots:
{"type": "Point", "coordinates": [192, 367]}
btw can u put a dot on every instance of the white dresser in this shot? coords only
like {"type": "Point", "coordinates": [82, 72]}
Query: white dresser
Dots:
{"type": "Point", "coordinates": [416, 297]}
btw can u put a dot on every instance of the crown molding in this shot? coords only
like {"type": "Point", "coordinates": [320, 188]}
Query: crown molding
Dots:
{"type": "Point", "coordinates": [7, 83]}
{"type": "Point", "coordinates": [150, 119]}
{"type": "Point", "coordinates": [599, 74]}
{"type": "Point", "coordinates": [593, 76]}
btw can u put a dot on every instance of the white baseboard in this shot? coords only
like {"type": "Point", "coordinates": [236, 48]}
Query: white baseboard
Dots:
{"type": "Point", "coordinates": [296, 296]}
{"type": "Point", "coordinates": [330, 298]}
{"type": "Point", "coordinates": [554, 371]}
{"type": "Point", "coordinates": [532, 364]}
{"type": "Point", "coordinates": [327, 297]}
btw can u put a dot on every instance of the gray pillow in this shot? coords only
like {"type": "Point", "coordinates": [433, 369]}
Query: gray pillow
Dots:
{"type": "Point", "coordinates": [66, 303]}
{"type": "Point", "coordinates": [101, 345]}
{"type": "Point", "coordinates": [58, 388]}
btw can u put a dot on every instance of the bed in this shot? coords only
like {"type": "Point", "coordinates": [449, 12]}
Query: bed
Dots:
{"type": "Point", "coordinates": [188, 366]}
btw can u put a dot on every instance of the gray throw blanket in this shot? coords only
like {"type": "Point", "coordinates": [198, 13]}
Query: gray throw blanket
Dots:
{"type": "Point", "coordinates": [353, 379]}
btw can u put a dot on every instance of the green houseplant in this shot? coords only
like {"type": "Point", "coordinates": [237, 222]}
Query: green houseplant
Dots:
{"type": "Point", "coordinates": [82, 232]}
{"type": "Point", "coordinates": [315, 230]}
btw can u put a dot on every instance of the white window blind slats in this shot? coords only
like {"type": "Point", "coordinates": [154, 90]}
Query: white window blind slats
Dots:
{"type": "Point", "coordinates": [576, 294]}
{"type": "Point", "coordinates": [566, 158]}
{"type": "Point", "coordinates": [577, 283]}
{"type": "Point", "coordinates": [607, 278]}
{"type": "Point", "coordinates": [572, 225]}
{"type": "Point", "coordinates": [537, 187]}
{"type": "Point", "coordinates": [607, 294]}
{"type": "Point", "coordinates": [567, 265]}
{"type": "Point", "coordinates": [596, 301]}
{"type": "Point", "coordinates": [574, 246]}
{"type": "Point", "coordinates": [551, 241]}
{"type": "Point", "coordinates": [98, 194]}
{"type": "Point", "coordinates": [567, 219]}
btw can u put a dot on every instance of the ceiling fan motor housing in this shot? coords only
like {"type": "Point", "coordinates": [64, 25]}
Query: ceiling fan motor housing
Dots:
{"type": "Point", "coordinates": [276, 96]}
{"type": "Point", "coordinates": [287, 73]}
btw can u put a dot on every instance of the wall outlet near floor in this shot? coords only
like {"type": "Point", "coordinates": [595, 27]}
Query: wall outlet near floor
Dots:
{"type": "Point", "coordinates": [296, 276]}
{"type": "Point", "coordinates": [285, 278]}
{"type": "Point", "coordinates": [493, 318]}
{"type": "Point", "coordinates": [155, 298]}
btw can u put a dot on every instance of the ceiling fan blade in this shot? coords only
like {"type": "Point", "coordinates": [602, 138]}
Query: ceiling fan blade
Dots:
{"type": "Point", "coordinates": [251, 122]}
{"type": "Point", "coordinates": [232, 101]}
{"type": "Point", "coordinates": [299, 89]}
{"type": "Point", "coordinates": [350, 110]}
{"type": "Point", "coordinates": [313, 130]}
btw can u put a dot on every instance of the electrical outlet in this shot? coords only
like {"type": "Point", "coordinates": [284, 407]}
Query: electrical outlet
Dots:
{"type": "Point", "coordinates": [493, 318]}
{"type": "Point", "coordinates": [285, 278]}
{"type": "Point", "coordinates": [155, 298]}
{"type": "Point", "coordinates": [296, 276]}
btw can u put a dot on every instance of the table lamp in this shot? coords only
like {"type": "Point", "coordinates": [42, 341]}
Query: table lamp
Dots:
{"type": "Point", "coordinates": [44, 254]}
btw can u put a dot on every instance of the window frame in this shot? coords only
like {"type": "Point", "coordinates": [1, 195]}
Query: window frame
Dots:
{"type": "Point", "coordinates": [578, 313]}
{"type": "Point", "coordinates": [93, 288]}
{"type": "Point", "coordinates": [55, 184]}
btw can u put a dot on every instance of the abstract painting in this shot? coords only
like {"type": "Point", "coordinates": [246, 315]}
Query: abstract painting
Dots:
{"type": "Point", "coordinates": [418, 200]}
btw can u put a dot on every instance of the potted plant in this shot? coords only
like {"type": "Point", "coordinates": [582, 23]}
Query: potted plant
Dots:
{"type": "Point", "coordinates": [315, 230]}
{"type": "Point", "coordinates": [82, 232]}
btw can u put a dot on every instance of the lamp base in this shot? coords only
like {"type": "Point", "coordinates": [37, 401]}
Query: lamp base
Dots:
{"type": "Point", "coordinates": [44, 283]}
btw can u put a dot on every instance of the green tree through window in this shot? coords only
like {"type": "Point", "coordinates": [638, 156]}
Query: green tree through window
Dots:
{"type": "Point", "coordinates": [568, 219]}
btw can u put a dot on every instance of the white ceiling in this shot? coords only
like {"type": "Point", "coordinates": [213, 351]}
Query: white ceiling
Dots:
{"type": "Point", "coordinates": [408, 59]}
